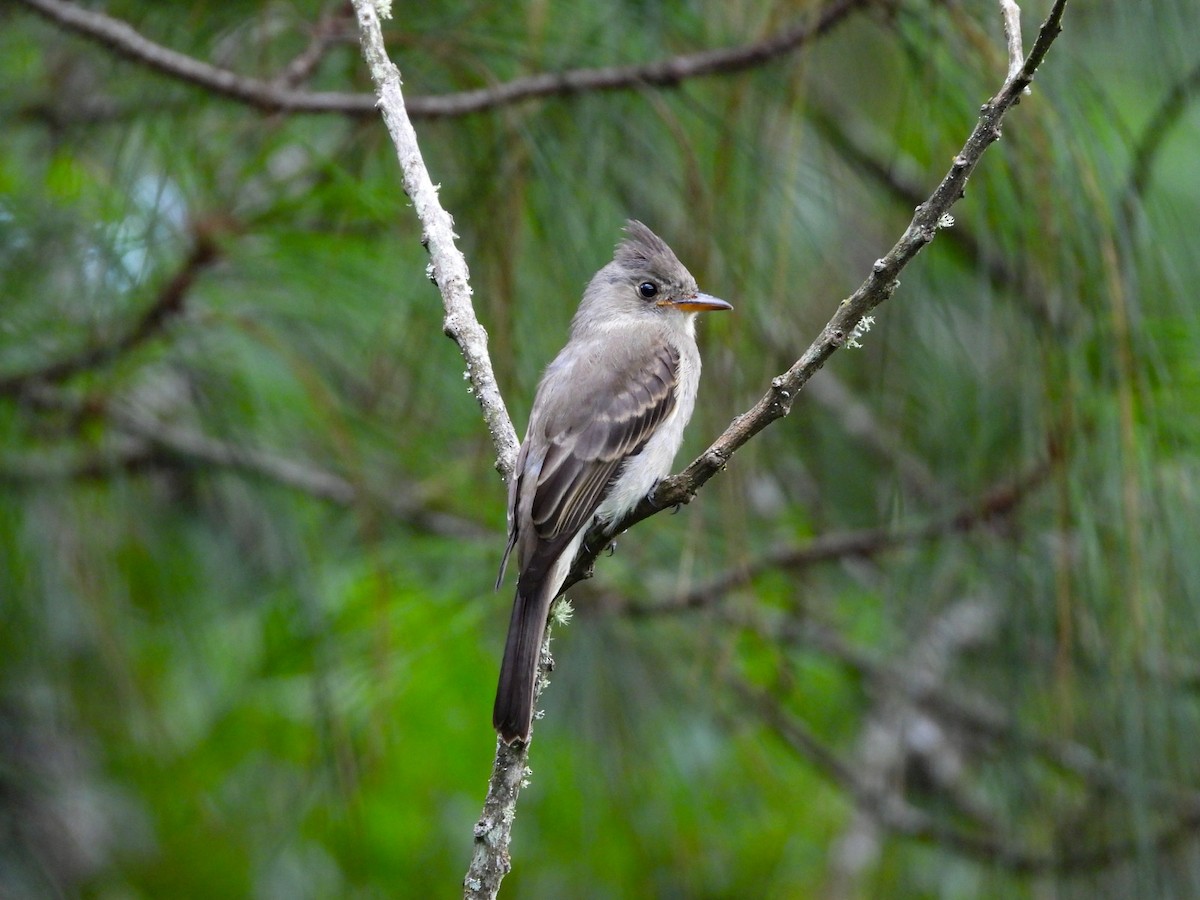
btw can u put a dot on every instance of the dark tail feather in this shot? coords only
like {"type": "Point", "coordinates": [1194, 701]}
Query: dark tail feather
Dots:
{"type": "Point", "coordinates": [512, 715]}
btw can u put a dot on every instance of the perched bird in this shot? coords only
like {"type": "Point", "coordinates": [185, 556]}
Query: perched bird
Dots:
{"type": "Point", "coordinates": [606, 423]}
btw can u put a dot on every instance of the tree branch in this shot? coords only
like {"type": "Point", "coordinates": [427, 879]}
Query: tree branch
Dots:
{"type": "Point", "coordinates": [147, 443]}
{"type": "Point", "coordinates": [1151, 139]}
{"type": "Point", "coordinates": [169, 301]}
{"type": "Point", "coordinates": [299, 475]}
{"type": "Point", "coordinates": [448, 268]}
{"type": "Point", "coordinates": [329, 30]}
{"type": "Point", "coordinates": [930, 216]}
{"type": "Point", "coordinates": [992, 504]}
{"type": "Point", "coordinates": [948, 702]}
{"type": "Point", "coordinates": [906, 820]}
{"type": "Point", "coordinates": [278, 96]}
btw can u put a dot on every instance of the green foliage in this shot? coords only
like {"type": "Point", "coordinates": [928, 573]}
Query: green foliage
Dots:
{"type": "Point", "coordinates": [249, 642]}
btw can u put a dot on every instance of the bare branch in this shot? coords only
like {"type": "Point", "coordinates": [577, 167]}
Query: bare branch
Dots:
{"type": "Point", "coordinates": [448, 269]}
{"type": "Point", "coordinates": [326, 33]}
{"type": "Point", "coordinates": [906, 820]}
{"type": "Point", "coordinates": [1012, 34]}
{"type": "Point", "coordinates": [145, 442]}
{"type": "Point", "coordinates": [121, 38]}
{"type": "Point", "coordinates": [930, 216]}
{"type": "Point", "coordinates": [1151, 139]}
{"type": "Point", "coordinates": [992, 504]}
{"type": "Point", "coordinates": [493, 832]}
{"type": "Point", "coordinates": [278, 96]}
{"type": "Point", "coordinates": [490, 861]}
{"type": "Point", "coordinates": [169, 301]}
{"type": "Point", "coordinates": [299, 475]}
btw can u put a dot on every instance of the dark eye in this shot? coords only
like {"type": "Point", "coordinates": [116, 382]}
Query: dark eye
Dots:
{"type": "Point", "coordinates": [647, 289]}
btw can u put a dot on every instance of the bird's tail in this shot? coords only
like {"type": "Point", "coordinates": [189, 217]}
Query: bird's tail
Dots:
{"type": "Point", "coordinates": [512, 716]}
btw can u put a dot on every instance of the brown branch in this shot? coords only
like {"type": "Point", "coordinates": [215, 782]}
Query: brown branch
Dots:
{"type": "Point", "coordinates": [168, 303]}
{"type": "Point", "coordinates": [905, 820]}
{"type": "Point", "coordinates": [275, 96]}
{"type": "Point", "coordinates": [930, 216]}
{"type": "Point", "coordinates": [996, 502]}
{"type": "Point", "coordinates": [147, 443]}
{"type": "Point", "coordinates": [296, 474]}
{"type": "Point", "coordinates": [329, 30]}
{"type": "Point", "coordinates": [1154, 134]}
{"type": "Point", "coordinates": [977, 715]}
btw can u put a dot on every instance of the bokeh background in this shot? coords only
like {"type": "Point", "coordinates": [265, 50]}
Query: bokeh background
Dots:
{"type": "Point", "coordinates": [934, 635]}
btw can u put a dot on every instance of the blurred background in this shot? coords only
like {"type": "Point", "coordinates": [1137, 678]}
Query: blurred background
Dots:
{"type": "Point", "coordinates": [934, 635]}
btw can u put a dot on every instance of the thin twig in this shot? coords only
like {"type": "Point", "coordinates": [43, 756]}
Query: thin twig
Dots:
{"type": "Point", "coordinates": [273, 96]}
{"type": "Point", "coordinates": [930, 216]}
{"type": "Point", "coordinates": [1012, 34]}
{"type": "Point", "coordinates": [992, 504]}
{"type": "Point", "coordinates": [1148, 144]}
{"type": "Point", "coordinates": [327, 32]}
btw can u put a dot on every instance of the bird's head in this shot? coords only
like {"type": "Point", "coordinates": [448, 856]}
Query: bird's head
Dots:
{"type": "Point", "coordinates": [645, 280]}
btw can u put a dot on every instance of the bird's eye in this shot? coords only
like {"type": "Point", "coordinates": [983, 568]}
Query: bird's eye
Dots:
{"type": "Point", "coordinates": [647, 289]}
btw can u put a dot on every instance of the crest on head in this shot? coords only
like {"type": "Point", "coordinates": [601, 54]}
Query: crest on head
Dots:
{"type": "Point", "coordinates": [644, 251]}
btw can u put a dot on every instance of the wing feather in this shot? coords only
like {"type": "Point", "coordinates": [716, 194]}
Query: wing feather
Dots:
{"type": "Point", "coordinates": [584, 458]}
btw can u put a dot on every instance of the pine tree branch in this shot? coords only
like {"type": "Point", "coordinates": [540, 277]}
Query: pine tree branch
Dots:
{"type": "Point", "coordinates": [166, 305]}
{"type": "Point", "coordinates": [278, 95]}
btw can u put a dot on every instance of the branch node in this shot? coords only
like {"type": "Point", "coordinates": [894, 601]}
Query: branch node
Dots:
{"type": "Point", "coordinates": [715, 460]}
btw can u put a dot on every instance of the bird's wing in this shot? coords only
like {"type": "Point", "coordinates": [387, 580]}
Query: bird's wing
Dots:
{"type": "Point", "coordinates": [514, 488]}
{"type": "Point", "coordinates": [583, 457]}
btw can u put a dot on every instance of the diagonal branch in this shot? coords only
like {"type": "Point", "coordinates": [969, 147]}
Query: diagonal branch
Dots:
{"type": "Point", "coordinates": [169, 301]}
{"type": "Point", "coordinates": [993, 504]}
{"type": "Point", "coordinates": [906, 820]}
{"type": "Point", "coordinates": [279, 96]}
{"type": "Point", "coordinates": [448, 270]}
{"type": "Point", "coordinates": [306, 477]}
{"type": "Point", "coordinates": [448, 267]}
{"type": "Point", "coordinates": [930, 216]}
{"type": "Point", "coordinates": [1150, 141]}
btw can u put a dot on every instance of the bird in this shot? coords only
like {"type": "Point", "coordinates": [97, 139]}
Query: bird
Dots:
{"type": "Point", "coordinates": [607, 420]}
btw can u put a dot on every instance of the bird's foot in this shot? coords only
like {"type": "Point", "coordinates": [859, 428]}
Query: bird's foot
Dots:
{"type": "Point", "coordinates": [675, 507]}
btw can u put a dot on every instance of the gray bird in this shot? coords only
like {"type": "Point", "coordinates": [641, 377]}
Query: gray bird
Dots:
{"type": "Point", "coordinates": [606, 423]}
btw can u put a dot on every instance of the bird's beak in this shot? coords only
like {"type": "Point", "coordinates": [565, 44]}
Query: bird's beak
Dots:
{"type": "Point", "coordinates": [700, 303]}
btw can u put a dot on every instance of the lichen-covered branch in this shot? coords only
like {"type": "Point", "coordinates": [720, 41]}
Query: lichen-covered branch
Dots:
{"type": "Point", "coordinates": [448, 267]}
